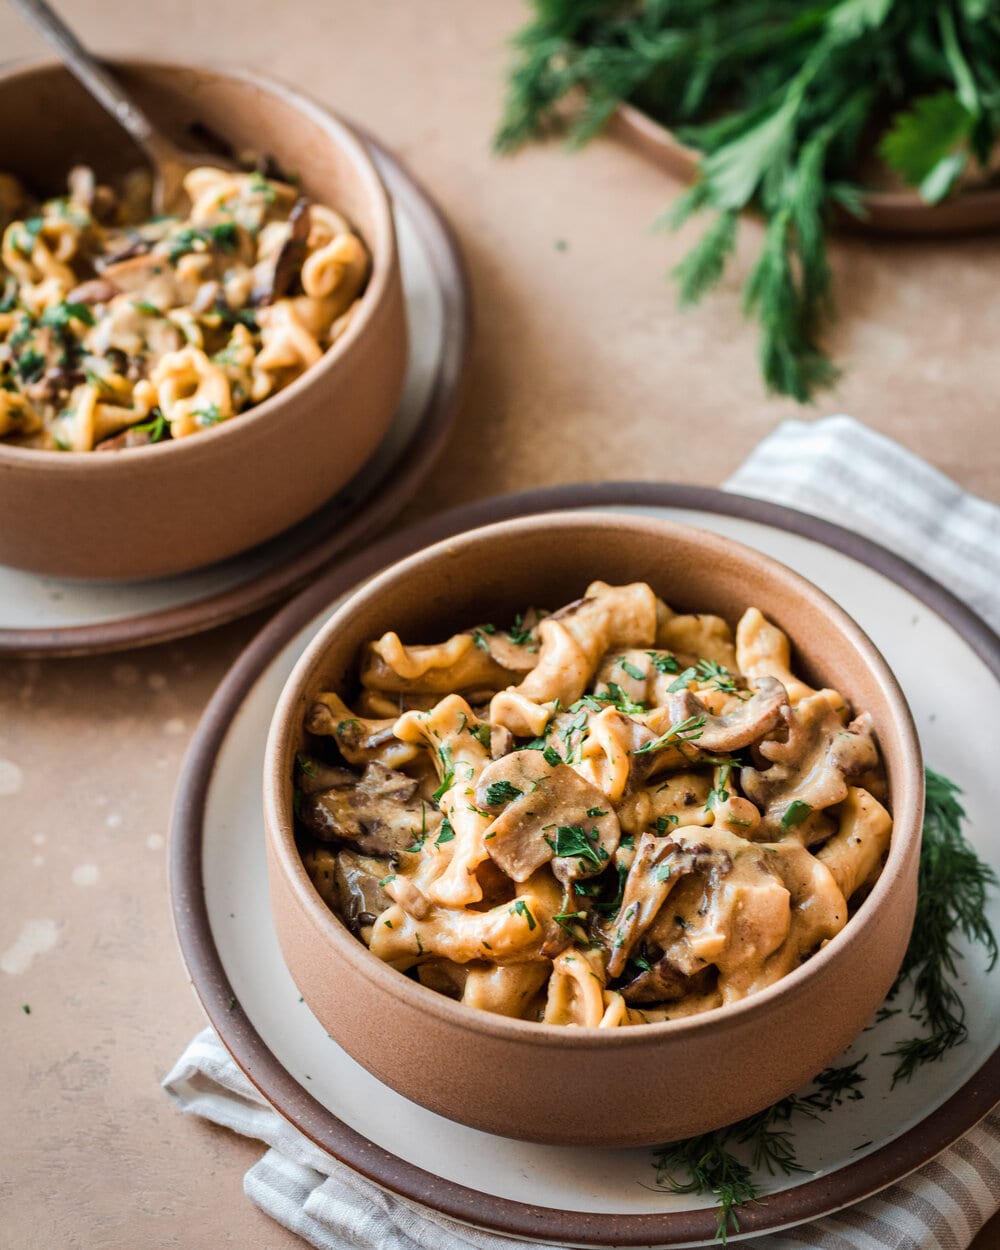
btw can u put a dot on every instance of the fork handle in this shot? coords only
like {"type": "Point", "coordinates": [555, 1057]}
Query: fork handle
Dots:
{"type": "Point", "coordinates": [95, 77]}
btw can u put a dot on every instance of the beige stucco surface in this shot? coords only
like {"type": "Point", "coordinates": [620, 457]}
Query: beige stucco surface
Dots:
{"type": "Point", "coordinates": [583, 370]}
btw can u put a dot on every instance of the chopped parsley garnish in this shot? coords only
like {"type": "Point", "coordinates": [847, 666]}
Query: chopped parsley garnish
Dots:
{"type": "Point", "coordinates": [594, 812]}
{"type": "Point", "coordinates": [616, 902]}
{"type": "Point", "coordinates": [663, 823]}
{"type": "Point", "coordinates": [519, 636]}
{"type": "Point", "coordinates": [572, 840]}
{"type": "Point", "coordinates": [209, 415]}
{"type": "Point", "coordinates": [663, 872]}
{"type": "Point", "coordinates": [521, 908]}
{"type": "Point", "coordinates": [260, 186]}
{"type": "Point", "coordinates": [144, 306]}
{"type": "Point", "coordinates": [688, 730]}
{"type": "Point", "coordinates": [719, 793]}
{"type": "Point", "coordinates": [721, 678]}
{"type": "Point", "coordinates": [447, 833]}
{"type": "Point", "coordinates": [23, 240]}
{"type": "Point", "coordinates": [663, 662]}
{"type": "Point", "coordinates": [8, 299]}
{"type": "Point", "coordinates": [157, 427]}
{"type": "Point", "coordinates": [552, 756]}
{"type": "Point", "coordinates": [225, 235]}
{"type": "Point", "coordinates": [306, 765]}
{"type": "Point", "coordinates": [30, 365]}
{"type": "Point", "coordinates": [627, 841]}
{"type": "Point", "coordinates": [419, 838]}
{"type": "Point", "coordinates": [502, 792]}
{"type": "Point", "coordinates": [636, 673]}
{"type": "Point", "coordinates": [385, 880]}
{"type": "Point", "coordinates": [482, 734]}
{"type": "Point", "coordinates": [795, 814]}
{"type": "Point", "coordinates": [447, 774]}
{"type": "Point", "coordinates": [570, 920]}
{"type": "Point", "coordinates": [682, 681]}
{"type": "Point", "coordinates": [60, 315]}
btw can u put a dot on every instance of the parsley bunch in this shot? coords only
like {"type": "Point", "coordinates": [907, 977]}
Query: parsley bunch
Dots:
{"type": "Point", "coordinates": [782, 99]}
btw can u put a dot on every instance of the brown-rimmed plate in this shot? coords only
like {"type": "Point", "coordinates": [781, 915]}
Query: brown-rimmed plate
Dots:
{"type": "Point", "coordinates": [889, 211]}
{"type": "Point", "coordinates": [548, 1194]}
{"type": "Point", "coordinates": [48, 616]}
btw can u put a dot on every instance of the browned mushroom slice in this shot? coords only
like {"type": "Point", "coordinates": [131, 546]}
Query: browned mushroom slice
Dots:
{"type": "Point", "coordinates": [361, 740]}
{"type": "Point", "coordinates": [658, 866]}
{"type": "Point", "coordinates": [132, 245]}
{"type": "Point", "coordinates": [549, 813]}
{"type": "Point", "coordinates": [747, 722]}
{"type": "Point", "coordinates": [313, 776]}
{"type": "Point", "coordinates": [665, 982]}
{"type": "Point", "coordinates": [808, 771]}
{"type": "Point", "coordinates": [379, 815]}
{"type": "Point", "coordinates": [360, 898]}
{"type": "Point", "coordinates": [281, 274]}
{"type": "Point", "coordinates": [95, 291]}
{"type": "Point", "coordinates": [124, 440]}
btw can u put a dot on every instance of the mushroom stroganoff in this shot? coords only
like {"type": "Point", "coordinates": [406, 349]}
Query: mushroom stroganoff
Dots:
{"type": "Point", "coordinates": [610, 815]}
{"type": "Point", "coordinates": [120, 330]}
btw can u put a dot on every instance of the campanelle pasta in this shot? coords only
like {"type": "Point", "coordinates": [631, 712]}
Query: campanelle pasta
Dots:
{"type": "Point", "coordinates": [117, 331]}
{"type": "Point", "coordinates": [606, 816]}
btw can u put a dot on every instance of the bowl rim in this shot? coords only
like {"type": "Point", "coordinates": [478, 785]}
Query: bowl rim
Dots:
{"type": "Point", "coordinates": [382, 246]}
{"type": "Point", "coordinates": [279, 824]}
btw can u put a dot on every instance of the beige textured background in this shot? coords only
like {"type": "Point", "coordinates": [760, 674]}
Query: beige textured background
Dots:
{"type": "Point", "coordinates": [583, 370]}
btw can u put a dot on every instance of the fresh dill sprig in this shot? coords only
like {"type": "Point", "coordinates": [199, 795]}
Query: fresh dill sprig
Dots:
{"type": "Point", "coordinates": [951, 899]}
{"type": "Point", "coordinates": [708, 1164]}
{"type": "Point", "coordinates": [778, 98]}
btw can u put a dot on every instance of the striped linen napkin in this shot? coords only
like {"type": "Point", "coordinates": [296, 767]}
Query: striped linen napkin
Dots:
{"type": "Point", "coordinates": [844, 472]}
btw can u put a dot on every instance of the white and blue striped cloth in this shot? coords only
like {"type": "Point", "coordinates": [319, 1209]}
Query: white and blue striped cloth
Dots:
{"type": "Point", "coordinates": [846, 473]}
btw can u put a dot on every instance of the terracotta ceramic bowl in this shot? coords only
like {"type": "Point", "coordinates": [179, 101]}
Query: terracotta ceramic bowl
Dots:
{"type": "Point", "coordinates": [179, 505]}
{"type": "Point", "coordinates": [582, 1086]}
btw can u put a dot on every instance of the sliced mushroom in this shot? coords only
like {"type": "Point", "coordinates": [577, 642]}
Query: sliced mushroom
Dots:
{"type": "Point", "coordinates": [378, 814]}
{"type": "Point", "coordinates": [313, 776]}
{"type": "Point", "coordinates": [96, 291]}
{"type": "Point", "coordinates": [360, 898]}
{"type": "Point", "coordinates": [361, 740]}
{"type": "Point", "coordinates": [287, 262]}
{"type": "Point", "coordinates": [546, 811]}
{"type": "Point", "coordinates": [664, 982]}
{"type": "Point", "coordinates": [810, 768]}
{"type": "Point", "coordinates": [658, 866]}
{"type": "Point", "coordinates": [125, 440]}
{"type": "Point", "coordinates": [746, 723]}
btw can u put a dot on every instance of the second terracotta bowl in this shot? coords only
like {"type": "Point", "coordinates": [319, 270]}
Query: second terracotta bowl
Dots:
{"type": "Point", "coordinates": [578, 1086]}
{"type": "Point", "coordinates": [179, 505]}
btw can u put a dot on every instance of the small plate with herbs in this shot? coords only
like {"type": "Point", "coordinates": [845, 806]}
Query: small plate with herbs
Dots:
{"type": "Point", "coordinates": [923, 1072]}
{"type": "Point", "coordinates": [880, 113]}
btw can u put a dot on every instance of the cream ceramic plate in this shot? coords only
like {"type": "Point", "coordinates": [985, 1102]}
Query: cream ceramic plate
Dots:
{"type": "Point", "coordinates": [570, 1196]}
{"type": "Point", "coordinates": [46, 615]}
